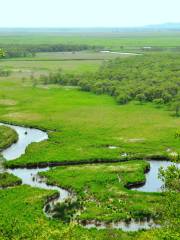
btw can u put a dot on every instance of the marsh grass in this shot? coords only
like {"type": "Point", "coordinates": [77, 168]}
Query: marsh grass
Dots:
{"type": "Point", "coordinates": [86, 124]}
{"type": "Point", "coordinates": [7, 137]}
{"type": "Point", "coordinates": [9, 180]}
{"type": "Point", "coordinates": [101, 190]}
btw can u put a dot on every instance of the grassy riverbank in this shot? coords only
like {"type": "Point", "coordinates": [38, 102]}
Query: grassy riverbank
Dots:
{"type": "Point", "coordinates": [101, 190]}
{"type": "Point", "coordinates": [85, 125]}
{"type": "Point", "coordinates": [21, 207]}
{"type": "Point", "coordinates": [7, 136]}
{"type": "Point", "coordinates": [9, 180]}
{"type": "Point", "coordinates": [86, 128]}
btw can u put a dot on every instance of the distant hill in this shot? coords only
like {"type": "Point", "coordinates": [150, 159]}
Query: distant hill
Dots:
{"type": "Point", "coordinates": [165, 26]}
{"type": "Point", "coordinates": [100, 30]}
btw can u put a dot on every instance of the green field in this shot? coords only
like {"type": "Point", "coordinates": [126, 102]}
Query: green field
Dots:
{"type": "Point", "coordinates": [43, 63]}
{"type": "Point", "coordinates": [86, 124]}
{"type": "Point", "coordinates": [7, 135]}
{"type": "Point", "coordinates": [107, 40]}
{"type": "Point", "coordinates": [103, 143]}
{"type": "Point", "coordinates": [22, 218]}
{"type": "Point", "coordinates": [8, 180]}
{"type": "Point", "coordinates": [102, 193]}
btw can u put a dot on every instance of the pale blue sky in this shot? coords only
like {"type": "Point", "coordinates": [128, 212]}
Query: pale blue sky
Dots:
{"type": "Point", "coordinates": [87, 13]}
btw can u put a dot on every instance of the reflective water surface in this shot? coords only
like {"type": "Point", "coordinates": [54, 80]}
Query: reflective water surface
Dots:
{"type": "Point", "coordinates": [26, 137]}
{"type": "Point", "coordinates": [30, 177]}
{"type": "Point", "coordinates": [153, 183]}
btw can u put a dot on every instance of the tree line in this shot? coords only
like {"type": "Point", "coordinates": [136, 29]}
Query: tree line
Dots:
{"type": "Point", "coordinates": [18, 50]}
{"type": "Point", "coordinates": [147, 78]}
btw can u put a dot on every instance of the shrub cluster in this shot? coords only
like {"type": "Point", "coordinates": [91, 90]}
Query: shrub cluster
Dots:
{"type": "Point", "coordinates": [30, 50]}
{"type": "Point", "coordinates": [147, 78]}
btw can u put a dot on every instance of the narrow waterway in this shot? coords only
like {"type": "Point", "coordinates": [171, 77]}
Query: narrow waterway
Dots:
{"type": "Point", "coordinates": [153, 183]}
{"type": "Point", "coordinates": [30, 177]}
{"type": "Point", "coordinates": [26, 136]}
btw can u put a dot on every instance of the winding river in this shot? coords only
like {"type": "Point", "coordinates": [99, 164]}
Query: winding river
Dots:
{"type": "Point", "coordinates": [153, 183]}
{"type": "Point", "coordinates": [30, 177]}
{"type": "Point", "coordinates": [26, 136]}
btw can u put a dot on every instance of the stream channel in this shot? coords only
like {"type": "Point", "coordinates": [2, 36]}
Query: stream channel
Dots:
{"type": "Point", "coordinates": [30, 177]}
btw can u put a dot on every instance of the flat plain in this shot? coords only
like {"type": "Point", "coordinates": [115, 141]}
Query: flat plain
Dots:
{"type": "Point", "coordinates": [103, 144]}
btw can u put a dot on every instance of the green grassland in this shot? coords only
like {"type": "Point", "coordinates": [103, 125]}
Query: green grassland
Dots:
{"type": "Point", "coordinates": [102, 193]}
{"type": "Point", "coordinates": [8, 180]}
{"type": "Point", "coordinates": [79, 62]}
{"type": "Point", "coordinates": [43, 63]}
{"type": "Point", "coordinates": [22, 217]}
{"type": "Point", "coordinates": [143, 78]}
{"type": "Point", "coordinates": [81, 127]}
{"type": "Point", "coordinates": [25, 68]}
{"type": "Point", "coordinates": [67, 56]}
{"type": "Point", "coordinates": [86, 124]}
{"type": "Point", "coordinates": [7, 135]}
{"type": "Point", "coordinates": [107, 40]}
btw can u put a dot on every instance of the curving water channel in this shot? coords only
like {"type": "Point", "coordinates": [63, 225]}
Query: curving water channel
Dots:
{"type": "Point", "coordinates": [30, 177]}
{"type": "Point", "coordinates": [153, 183]}
{"type": "Point", "coordinates": [26, 136]}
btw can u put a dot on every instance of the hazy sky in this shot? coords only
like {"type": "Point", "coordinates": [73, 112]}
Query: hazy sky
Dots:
{"type": "Point", "coordinates": [87, 13]}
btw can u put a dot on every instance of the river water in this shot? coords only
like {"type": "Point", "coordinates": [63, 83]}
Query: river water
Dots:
{"type": "Point", "coordinates": [26, 136]}
{"type": "Point", "coordinates": [30, 177]}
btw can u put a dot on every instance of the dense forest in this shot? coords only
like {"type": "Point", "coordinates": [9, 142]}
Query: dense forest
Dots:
{"type": "Point", "coordinates": [147, 78]}
{"type": "Point", "coordinates": [18, 50]}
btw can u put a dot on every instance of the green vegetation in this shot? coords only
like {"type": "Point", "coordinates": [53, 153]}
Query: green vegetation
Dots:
{"type": "Point", "coordinates": [4, 73]}
{"type": "Point", "coordinates": [108, 40]}
{"type": "Point", "coordinates": [80, 134]}
{"type": "Point", "coordinates": [151, 77]}
{"type": "Point", "coordinates": [170, 210]}
{"type": "Point", "coordinates": [2, 53]}
{"type": "Point", "coordinates": [22, 218]}
{"type": "Point", "coordinates": [43, 91]}
{"type": "Point", "coordinates": [28, 45]}
{"type": "Point", "coordinates": [7, 135]}
{"type": "Point", "coordinates": [43, 63]}
{"type": "Point", "coordinates": [101, 190]}
{"type": "Point", "coordinates": [17, 50]}
{"type": "Point", "coordinates": [171, 178]}
{"type": "Point", "coordinates": [8, 180]}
